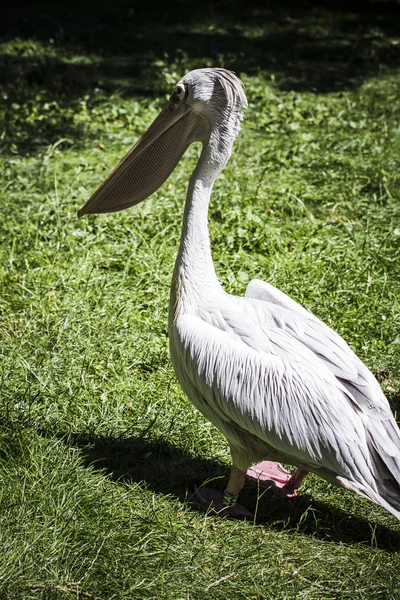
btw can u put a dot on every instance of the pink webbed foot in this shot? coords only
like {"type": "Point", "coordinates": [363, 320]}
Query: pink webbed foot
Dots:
{"type": "Point", "coordinates": [271, 475]}
{"type": "Point", "coordinates": [209, 499]}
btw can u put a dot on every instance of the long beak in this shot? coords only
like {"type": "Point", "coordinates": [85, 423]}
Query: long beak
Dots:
{"type": "Point", "coordinates": [148, 164]}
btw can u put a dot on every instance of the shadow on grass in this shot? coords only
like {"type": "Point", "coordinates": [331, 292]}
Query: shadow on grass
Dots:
{"type": "Point", "coordinates": [59, 52]}
{"type": "Point", "coordinates": [169, 470]}
{"type": "Point", "coordinates": [320, 46]}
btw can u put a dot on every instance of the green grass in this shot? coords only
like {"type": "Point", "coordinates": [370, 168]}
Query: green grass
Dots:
{"type": "Point", "coordinates": [99, 450]}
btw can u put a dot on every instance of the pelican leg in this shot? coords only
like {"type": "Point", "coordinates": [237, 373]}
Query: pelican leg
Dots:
{"type": "Point", "coordinates": [236, 482]}
{"type": "Point", "coordinates": [272, 475]}
{"type": "Point", "coordinates": [225, 504]}
{"type": "Point", "coordinates": [294, 482]}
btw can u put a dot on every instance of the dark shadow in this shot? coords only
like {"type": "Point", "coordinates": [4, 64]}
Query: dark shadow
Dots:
{"type": "Point", "coordinates": [307, 45]}
{"type": "Point", "coordinates": [169, 470]}
{"type": "Point", "coordinates": [72, 49]}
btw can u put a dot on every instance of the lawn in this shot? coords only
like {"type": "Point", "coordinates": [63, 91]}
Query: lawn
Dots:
{"type": "Point", "coordinates": [99, 449]}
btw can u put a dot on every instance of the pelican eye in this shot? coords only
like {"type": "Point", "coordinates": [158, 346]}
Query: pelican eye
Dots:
{"type": "Point", "coordinates": [179, 91]}
{"type": "Point", "coordinates": [178, 94]}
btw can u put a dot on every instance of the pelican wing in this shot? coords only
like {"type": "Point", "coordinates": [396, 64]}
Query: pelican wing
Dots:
{"type": "Point", "coordinates": [274, 306]}
{"type": "Point", "coordinates": [282, 397]}
{"type": "Point", "coordinates": [299, 411]}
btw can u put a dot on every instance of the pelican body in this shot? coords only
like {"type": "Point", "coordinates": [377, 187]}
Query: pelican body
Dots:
{"type": "Point", "coordinates": [274, 379]}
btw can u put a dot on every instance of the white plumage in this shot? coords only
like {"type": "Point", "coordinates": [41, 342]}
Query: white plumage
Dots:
{"type": "Point", "coordinates": [277, 382]}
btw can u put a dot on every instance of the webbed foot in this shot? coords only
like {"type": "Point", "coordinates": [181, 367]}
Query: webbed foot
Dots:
{"type": "Point", "coordinates": [272, 475]}
{"type": "Point", "coordinates": [210, 499]}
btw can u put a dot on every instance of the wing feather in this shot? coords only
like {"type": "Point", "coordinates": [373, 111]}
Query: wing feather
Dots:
{"type": "Point", "coordinates": [300, 412]}
{"type": "Point", "coordinates": [269, 303]}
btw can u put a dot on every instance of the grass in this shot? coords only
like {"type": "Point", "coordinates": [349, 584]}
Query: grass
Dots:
{"type": "Point", "coordinates": [99, 449]}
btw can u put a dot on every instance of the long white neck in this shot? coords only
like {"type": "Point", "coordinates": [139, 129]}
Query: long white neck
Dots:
{"type": "Point", "coordinates": [194, 274]}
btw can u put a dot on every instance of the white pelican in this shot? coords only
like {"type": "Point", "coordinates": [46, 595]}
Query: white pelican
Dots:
{"type": "Point", "coordinates": [280, 384]}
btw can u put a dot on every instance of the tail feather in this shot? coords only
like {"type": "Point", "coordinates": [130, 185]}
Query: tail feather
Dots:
{"type": "Point", "coordinates": [383, 439]}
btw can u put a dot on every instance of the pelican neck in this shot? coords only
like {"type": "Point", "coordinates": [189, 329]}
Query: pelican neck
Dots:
{"type": "Point", "coordinates": [194, 273]}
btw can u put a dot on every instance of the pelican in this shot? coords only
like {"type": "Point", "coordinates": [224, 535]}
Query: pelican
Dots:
{"type": "Point", "coordinates": [274, 379]}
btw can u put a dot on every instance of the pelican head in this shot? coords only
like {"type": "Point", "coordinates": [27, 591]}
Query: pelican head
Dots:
{"type": "Point", "coordinates": [205, 106]}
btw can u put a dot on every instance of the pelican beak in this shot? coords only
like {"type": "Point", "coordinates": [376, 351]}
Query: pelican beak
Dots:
{"type": "Point", "coordinates": [148, 164]}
